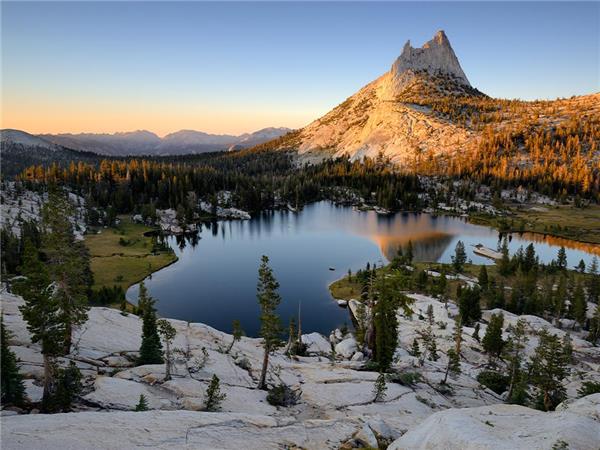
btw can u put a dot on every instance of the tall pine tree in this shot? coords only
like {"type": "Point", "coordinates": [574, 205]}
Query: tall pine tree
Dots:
{"type": "Point", "coordinates": [270, 325]}
{"type": "Point", "coordinates": [151, 348]}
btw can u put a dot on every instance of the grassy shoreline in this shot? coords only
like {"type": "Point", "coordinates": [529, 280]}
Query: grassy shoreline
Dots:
{"type": "Point", "coordinates": [124, 255]}
{"type": "Point", "coordinates": [580, 225]}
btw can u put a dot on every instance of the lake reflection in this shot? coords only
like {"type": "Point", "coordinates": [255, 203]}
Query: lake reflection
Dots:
{"type": "Point", "coordinates": [214, 280]}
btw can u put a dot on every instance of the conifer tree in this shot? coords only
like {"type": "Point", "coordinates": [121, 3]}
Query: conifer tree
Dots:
{"type": "Point", "coordinates": [270, 325]}
{"type": "Point", "coordinates": [460, 256]}
{"type": "Point", "coordinates": [429, 314]}
{"type": "Point", "coordinates": [593, 284]}
{"type": "Point", "coordinates": [386, 333]}
{"type": "Point", "coordinates": [594, 334]}
{"type": "Point", "coordinates": [482, 279]}
{"type": "Point", "coordinates": [453, 366]}
{"type": "Point", "coordinates": [214, 396]}
{"type": "Point", "coordinates": [13, 390]}
{"type": "Point", "coordinates": [468, 305]}
{"type": "Point", "coordinates": [168, 333]}
{"type": "Point", "coordinates": [237, 333]}
{"type": "Point", "coordinates": [68, 386]}
{"type": "Point", "coordinates": [513, 353]}
{"type": "Point", "coordinates": [504, 266]}
{"type": "Point", "coordinates": [457, 334]}
{"type": "Point", "coordinates": [142, 404]}
{"type": "Point", "coordinates": [68, 264]}
{"type": "Point", "coordinates": [415, 350]}
{"type": "Point", "coordinates": [579, 304]}
{"type": "Point", "coordinates": [380, 388]}
{"type": "Point", "coordinates": [43, 315]}
{"type": "Point", "coordinates": [151, 348]}
{"type": "Point", "coordinates": [492, 340]}
{"type": "Point", "coordinates": [548, 369]}
{"type": "Point", "coordinates": [561, 260]}
{"type": "Point", "coordinates": [409, 256]}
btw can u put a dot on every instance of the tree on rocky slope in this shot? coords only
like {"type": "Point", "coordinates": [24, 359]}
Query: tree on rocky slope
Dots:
{"type": "Point", "coordinates": [42, 312]}
{"type": "Point", "coordinates": [68, 264]}
{"type": "Point", "coordinates": [468, 305]}
{"type": "Point", "coordinates": [270, 325]}
{"type": "Point", "coordinates": [151, 348]}
{"type": "Point", "coordinates": [237, 333]}
{"type": "Point", "coordinates": [12, 389]}
{"type": "Point", "coordinates": [548, 368]}
{"type": "Point", "coordinates": [513, 353]}
{"type": "Point", "coordinates": [386, 322]}
{"type": "Point", "coordinates": [214, 396]}
{"type": "Point", "coordinates": [168, 333]}
{"type": "Point", "coordinates": [492, 340]}
{"type": "Point", "coordinates": [379, 388]}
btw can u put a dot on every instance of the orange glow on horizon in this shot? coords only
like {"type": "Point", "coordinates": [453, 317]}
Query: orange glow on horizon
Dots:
{"type": "Point", "coordinates": [41, 118]}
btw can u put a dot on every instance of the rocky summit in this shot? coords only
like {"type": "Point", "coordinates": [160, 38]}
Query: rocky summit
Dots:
{"type": "Point", "coordinates": [436, 57]}
{"type": "Point", "coordinates": [424, 109]}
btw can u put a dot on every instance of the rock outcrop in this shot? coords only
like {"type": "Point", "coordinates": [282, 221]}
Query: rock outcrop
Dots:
{"type": "Point", "coordinates": [336, 407]}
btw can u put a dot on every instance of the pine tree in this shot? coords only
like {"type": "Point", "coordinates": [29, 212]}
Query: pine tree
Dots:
{"type": "Point", "coordinates": [380, 388]}
{"type": "Point", "coordinates": [68, 264]}
{"type": "Point", "coordinates": [529, 260]}
{"type": "Point", "coordinates": [460, 256]}
{"type": "Point", "coordinates": [142, 404]}
{"type": "Point", "coordinates": [482, 279]}
{"type": "Point", "coordinates": [386, 333]}
{"type": "Point", "coordinates": [453, 366]}
{"type": "Point", "coordinates": [151, 348]}
{"type": "Point", "coordinates": [168, 333]}
{"type": "Point", "coordinates": [567, 344]}
{"type": "Point", "coordinates": [513, 353]}
{"type": "Point", "coordinates": [561, 260]}
{"type": "Point", "coordinates": [579, 304]}
{"type": "Point", "coordinates": [415, 350]}
{"type": "Point", "coordinates": [409, 256]}
{"type": "Point", "coordinates": [13, 390]}
{"type": "Point", "coordinates": [457, 334]}
{"type": "Point", "coordinates": [68, 386]}
{"type": "Point", "coordinates": [237, 333]}
{"type": "Point", "coordinates": [504, 266]}
{"type": "Point", "coordinates": [469, 306]}
{"type": "Point", "coordinates": [548, 369]}
{"type": "Point", "coordinates": [270, 325]}
{"type": "Point", "coordinates": [593, 284]}
{"type": "Point", "coordinates": [214, 397]}
{"type": "Point", "coordinates": [594, 334]}
{"type": "Point", "coordinates": [42, 313]}
{"type": "Point", "coordinates": [492, 341]}
{"type": "Point", "coordinates": [429, 313]}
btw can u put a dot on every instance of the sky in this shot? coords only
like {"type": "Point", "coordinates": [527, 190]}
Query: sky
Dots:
{"type": "Point", "coordinates": [238, 67]}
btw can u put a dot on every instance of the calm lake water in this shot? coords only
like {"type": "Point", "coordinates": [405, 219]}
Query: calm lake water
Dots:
{"type": "Point", "coordinates": [214, 280]}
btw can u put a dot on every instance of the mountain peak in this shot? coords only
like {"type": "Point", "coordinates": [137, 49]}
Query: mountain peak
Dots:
{"type": "Point", "coordinates": [436, 57]}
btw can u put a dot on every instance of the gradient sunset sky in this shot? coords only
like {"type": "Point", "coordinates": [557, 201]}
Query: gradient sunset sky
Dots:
{"type": "Point", "coordinates": [238, 67]}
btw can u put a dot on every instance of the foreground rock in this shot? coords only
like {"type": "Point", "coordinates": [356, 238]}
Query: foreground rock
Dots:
{"type": "Point", "coordinates": [170, 430]}
{"type": "Point", "coordinates": [336, 407]}
{"type": "Point", "coordinates": [508, 427]}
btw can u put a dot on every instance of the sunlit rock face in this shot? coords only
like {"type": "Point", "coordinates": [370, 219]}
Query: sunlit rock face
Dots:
{"type": "Point", "coordinates": [436, 57]}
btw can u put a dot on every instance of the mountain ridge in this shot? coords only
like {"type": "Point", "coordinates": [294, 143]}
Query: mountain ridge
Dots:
{"type": "Point", "coordinates": [424, 115]}
{"type": "Point", "coordinates": [144, 142]}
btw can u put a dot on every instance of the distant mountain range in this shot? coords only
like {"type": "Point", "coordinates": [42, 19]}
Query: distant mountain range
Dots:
{"type": "Point", "coordinates": [144, 142]}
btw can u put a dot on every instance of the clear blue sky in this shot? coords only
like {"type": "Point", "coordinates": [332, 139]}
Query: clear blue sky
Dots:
{"type": "Point", "coordinates": [234, 67]}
